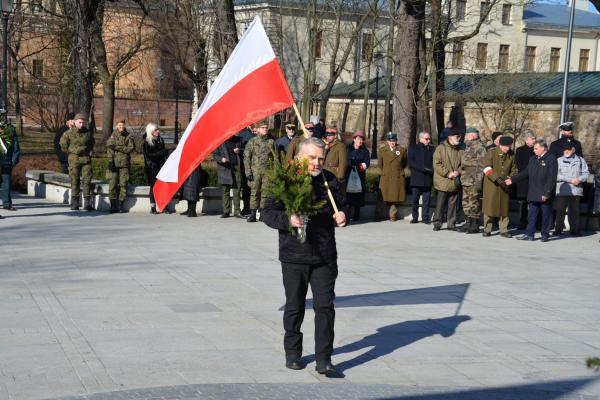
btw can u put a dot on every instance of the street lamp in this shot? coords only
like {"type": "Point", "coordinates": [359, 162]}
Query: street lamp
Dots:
{"type": "Point", "coordinates": [6, 7]}
{"type": "Point", "coordinates": [378, 65]}
{"type": "Point", "coordinates": [176, 133]}
{"type": "Point", "coordinates": [159, 78]}
{"type": "Point", "coordinates": [565, 92]}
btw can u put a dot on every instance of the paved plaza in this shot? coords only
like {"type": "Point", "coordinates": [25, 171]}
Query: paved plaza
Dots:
{"type": "Point", "coordinates": [99, 306]}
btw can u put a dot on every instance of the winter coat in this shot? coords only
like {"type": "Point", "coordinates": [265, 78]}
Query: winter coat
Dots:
{"type": "Point", "coordinates": [568, 169]}
{"type": "Point", "coordinates": [320, 246]}
{"type": "Point", "coordinates": [225, 150]}
{"type": "Point", "coordinates": [336, 159]}
{"type": "Point", "coordinates": [522, 156]}
{"type": "Point", "coordinates": [119, 148]}
{"type": "Point", "coordinates": [11, 141]}
{"type": "Point", "coordinates": [542, 172]}
{"type": "Point", "coordinates": [446, 158]}
{"type": "Point", "coordinates": [258, 155]}
{"type": "Point", "coordinates": [155, 156]}
{"type": "Point", "coordinates": [281, 144]}
{"type": "Point", "coordinates": [393, 182]}
{"type": "Point", "coordinates": [597, 191]}
{"type": "Point", "coordinates": [497, 166]}
{"type": "Point", "coordinates": [194, 183]}
{"type": "Point", "coordinates": [78, 144]}
{"type": "Point", "coordinates": [556, 147]}
{"type": "Point", "coordinates": [472, 163]}
{"type": "Point", "coordinates": [292, 148]}
{"type": "Point", "coordinates": [420, 162]}
{"type": "Point", "coordinates": [61, 155]}
{"type": "Point", "coordinates": [359, 160]}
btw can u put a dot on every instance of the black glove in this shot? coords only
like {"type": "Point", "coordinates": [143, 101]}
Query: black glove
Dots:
{"type": "Point", "coordinates": [250, 178]}
{"type": "Point", "coordinates": [501, 183]}
{"type": "Point", "coordinates": [111, 166]}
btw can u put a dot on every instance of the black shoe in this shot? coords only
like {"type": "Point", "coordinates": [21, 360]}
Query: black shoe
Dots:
{"type": "Point", "coordinates": [556, 233]}
{"type": "Point", "coordinates": [437, 227]}
{"type": "Point", "coordinates": [114, 208]}
{"type": "Point", "coordinates": [545, 239]}
{"type": "Point", "coordinates": [525, 237]}
{"type": "Point", "coordinates": [192, 213]}
{"type": "Point", "coordinates": [325, 368]}
{"type": "Point", "coordinates": [9, 208]}
{"type": "Point", "coordinates": [122, 209]}
{"type": "Point", "coordinates": [486, 234]}
{"type": "Point", "coordinates": [74, 203]}
{"type": "Point", "coordinates": [413, 221]}
{"type": "Point", "coordinates": [1, 217]}
{"type": "Point", "coordinates": [252, 217]}
{"type": "Point", "coordinates": [426, 221]}
{"type": "Point", "coordinates": [169, 211]}
{"type": "Point", "coordinates": [225, 215]}
{"type": "Point", "coordinates": [88, 204]}
{"type": "Point", "coordinates": [293, 362]}
{"type": "Point", "coordinates": [507, 235]}
{"type": "Point", "coordinates": [575, 234]}
{"type": "Point", "coordinates": [153, 210]}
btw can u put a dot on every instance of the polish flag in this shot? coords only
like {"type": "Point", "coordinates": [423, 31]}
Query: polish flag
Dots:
{"type": "Point", "coordinates": [251, 86]}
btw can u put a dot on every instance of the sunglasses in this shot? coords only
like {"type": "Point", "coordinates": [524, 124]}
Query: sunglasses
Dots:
{"type": "Point", "coordinates": [426, 138]}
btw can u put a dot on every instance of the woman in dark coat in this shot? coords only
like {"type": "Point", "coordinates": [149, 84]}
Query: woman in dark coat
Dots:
{"type": "Point", "coordinates": [155, 155]}
{"type": "Point", "coordinates": [359, 160]}
{"type": "Point", "coordinates": [191, 190]}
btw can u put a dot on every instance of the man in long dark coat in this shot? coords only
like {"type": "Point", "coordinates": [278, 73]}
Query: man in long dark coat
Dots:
{"type": "Point", "coordinates": [420, 162]}
{"type": "Point", "coordinates": [522, 156]}
{"type": "Point", "coordinates": [227, 157]}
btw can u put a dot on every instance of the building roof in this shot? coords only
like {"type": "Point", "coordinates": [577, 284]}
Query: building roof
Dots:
{"type": "Point", "coordinates": [542, 87]}
{"type": "Point", "coordinates": [554, 15]}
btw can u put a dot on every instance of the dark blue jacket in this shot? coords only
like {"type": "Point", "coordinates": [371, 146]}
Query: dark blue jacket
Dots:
{"type": "Point", "coordinates": [542, 172]}
{"type": "Point", "coordinates": [420, 162]}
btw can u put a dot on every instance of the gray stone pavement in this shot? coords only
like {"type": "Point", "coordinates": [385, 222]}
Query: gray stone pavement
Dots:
{"type": "Point", "coordinates": [101, 306]}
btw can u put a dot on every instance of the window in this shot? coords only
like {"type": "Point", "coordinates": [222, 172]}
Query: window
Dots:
{"type": "Point", "coordinates": [482, 55]}
{"type": "Point", "coordinates": [458, 54]}
{"type": "Point", "coordinates": [366, 53]}
{"type": "Point", "coordinates": [483, 8]}
{"type": "Point", "coordinates": [503, 57]}
{"type": "Point", "coordinates": [318, 44]}
{"type": "Point", "coordinates": [506, 14]}
{"type": "Point", "coordinates": [530, 58]}
{"type": "Point", "coordinates": [554, 59]}
{"type": "Point", "coordinates": [38, 68]}
{"type": "Point", "coordinates": [584, 58]}
{"type": "Point", "coordinates": [461, 9]}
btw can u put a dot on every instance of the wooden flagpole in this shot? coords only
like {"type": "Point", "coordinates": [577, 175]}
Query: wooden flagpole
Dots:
{"type": "Point", "coordinates": [329, 194]}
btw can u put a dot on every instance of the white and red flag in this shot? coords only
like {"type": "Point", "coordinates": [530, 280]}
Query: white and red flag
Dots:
{"type": "Point", "coordinates": [250, 87]}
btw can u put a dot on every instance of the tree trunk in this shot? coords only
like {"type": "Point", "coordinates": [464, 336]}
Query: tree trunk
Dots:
{"type": "Point", "coordinates": [361, 122]}
{"type": "Point", "coordinates": [83, 84]}
{"type": "Point", "coordinates": [387, 115]}
{"type": "Point", "coordinates": [108, 107]}
{"type": "Point", "coordinates": [411, 15]}
{"type": "Point", "coordinates": [226, 31]}
{"type": "Point", "coordinates": [310, 74]}
{"type": "Point", "coordinates": [14, 66]}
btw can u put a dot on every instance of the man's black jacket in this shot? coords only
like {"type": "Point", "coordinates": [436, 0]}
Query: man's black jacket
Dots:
{"type": "Point", "coordinates": [542, 172]}
{"type": "Point", "coordinates": [320, 244]}
{"type": "Point", "coordinates": [557, 146]}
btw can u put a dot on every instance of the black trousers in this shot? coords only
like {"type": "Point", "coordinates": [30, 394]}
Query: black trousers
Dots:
{"type": "Point", "coordinates": [296, 278]}
{"type": "Point", "coordinates": [417, 192]}
{"type": "Point", "coordinates": [442, 198]}
{"type": "Point", "coordinates": [536, 208]}
{"type": "Point", "coordinates": [561, 203]}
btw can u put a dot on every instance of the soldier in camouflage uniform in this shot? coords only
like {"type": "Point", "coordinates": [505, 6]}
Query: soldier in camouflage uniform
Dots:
{"type": "Point", "coordinates": [257, 157]}
{"type": "Point", "coordinates": [471, 176]}
{"type": "Point", "coordinates": [119, 147]}
{"type": "Point", "coordinates": [78, 143]}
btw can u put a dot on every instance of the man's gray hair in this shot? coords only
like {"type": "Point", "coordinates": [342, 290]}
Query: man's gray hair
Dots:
{"type": "Point", "coordinates": [311, 141]}
{"type": "Point", "coordinates": [421, 134]}
{"type": "Point", "coordinates": [541, 142]}
{"type": "Point", "coordinates": [528, 134]}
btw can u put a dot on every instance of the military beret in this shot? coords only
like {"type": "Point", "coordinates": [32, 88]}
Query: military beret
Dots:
{"type": "Point", "coordinates": [568, 144]}
{"type": "Point", "coordinates": [80, 116]}
{"type": "Point", "coordinates": [472, 130]}
{"type": "Point", "coordinates": [454, 132]}
{"type": "Point", "coordinates": [391, 136]}
{"type": "Point", "coordinates": [70, 116]}
{"type": "Point", "coordinates": [506, 141]}
{"type": "Point", "coordinates": [566, 126]}
{"type": "Point", "coordinates": [496, 134]}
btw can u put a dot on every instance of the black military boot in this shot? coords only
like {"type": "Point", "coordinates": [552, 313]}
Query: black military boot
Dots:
{"type": "Point", "coordinates": [114, 207]}
{"type": "Point", "coordinates": [74, 203]}
{"type": "Point", "coordinates": [464, 227]}
{"type": "Point", "coordinates": [252, 217]}
{"type": "Point", "coordinates": [88, 204]}
{"type": "Point", "coordinates": [192, 209]}
{"type": "Point", "coordinates": [474, 228]}
{"type": "Point", "coordinates": [153, 209]}
{"type": "Point", "coordinates": [122, 208]}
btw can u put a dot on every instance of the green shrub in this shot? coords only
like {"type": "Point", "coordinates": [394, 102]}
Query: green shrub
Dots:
{"type": "Point", "coordinates": [372, 181]}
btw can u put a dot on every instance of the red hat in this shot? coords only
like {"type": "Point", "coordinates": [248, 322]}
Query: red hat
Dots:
{"type": "Point", "coordinates": [330, 131]}
{"type": "Point", "coordinates": [359, 134]}
{"type": "Point", "coordinates": [309, 125]}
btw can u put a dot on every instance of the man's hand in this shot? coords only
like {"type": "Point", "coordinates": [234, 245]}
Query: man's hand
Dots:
{"type": "Point", "coordinates": [508, 182]}
{"type": "Point", "coordinates": [224, 160]}
{"type": "Point", "coordinates": [575, 181]}
{"type": "Point", "coordinates": [237, 150]}
{"type": "Point", "coordinates": [340, 218]}
{"type": "Point", "coordinates": [544, 198]}
{"type": "Point", "coordinates": [296, 221]}
{"type": "Point", "coordinates": [452, 174]}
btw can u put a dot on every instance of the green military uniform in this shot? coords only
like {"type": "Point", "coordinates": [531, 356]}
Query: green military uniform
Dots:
{"type": "Point", "coordinates": [119, 147]}
{"type": "Point", "coordinates": [498, 166]}
{"type": "Point", "coordinates": [471, 177]}
{"type": "Point", "coordinates": [78, 144]}
{"type": "Point", "coordinates": [257, 159]}
{"type": "Point", "coordinates": [392, 162]}
{"type": "Point", "coordinates": [336, 160]}
{"type": "Point", "coordinates": [292, 149]}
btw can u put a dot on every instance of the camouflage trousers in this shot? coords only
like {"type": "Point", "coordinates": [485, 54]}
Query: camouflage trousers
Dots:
{"type": "Point", "coordinates": [81, 172]}
{"type": "Point", "coordinates": [235, 186]}
{"type": "Point", "coordinates": [471, 202]}
{"type": "Point", "coordinates": [117, 183]}
{"type": "Point", "coordinates": [258, 186]}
